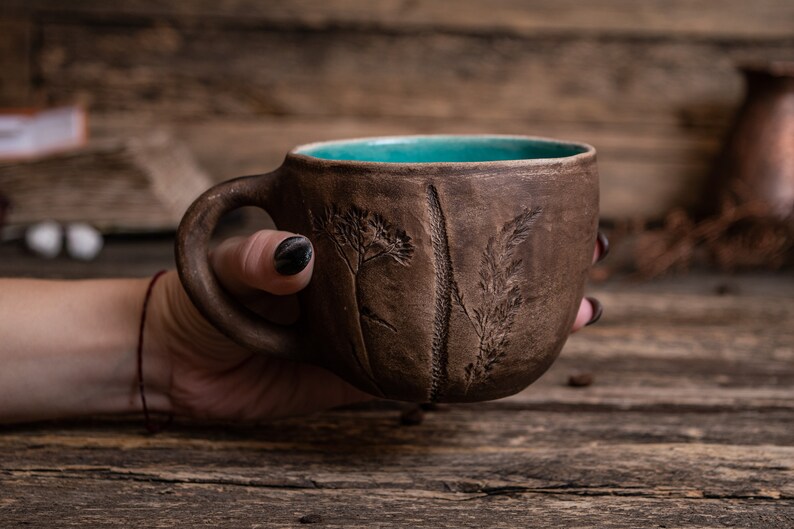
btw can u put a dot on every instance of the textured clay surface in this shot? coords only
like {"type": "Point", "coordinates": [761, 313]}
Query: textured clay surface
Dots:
{"type": "Point", "coordinates": [435, 282]}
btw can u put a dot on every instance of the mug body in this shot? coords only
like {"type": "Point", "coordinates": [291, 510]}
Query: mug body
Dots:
{"type": "Point", "coordinates": [448, 268]}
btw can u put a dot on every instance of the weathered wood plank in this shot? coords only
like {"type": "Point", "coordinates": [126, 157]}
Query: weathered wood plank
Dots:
{"type": "Point", "coordinates": [134, 184]}
{"type": "Point", "coordinates": [645, 119]}
{"type": "Point", "coordinates": [497, 430]}
{"type": "Point", "coordinates": [201, 69]}
{"type": "Point", "coordinates": [260, 144]}
{"type": "Point", "coordinates": [645, 170]}
{"type": "Point", "coordinates": [515, 66]}
{"type": "Point", "coordinates": [458, 454]}
{"type": "Point", "coordinates": [677, 95]}
{"type": "Point", "coordinates": [468, 449]}
{"type": "Point", "coordinates": [79, 503]}
{"type": "Point", "coordinates": [15, 60]}
{"type": "Point", "coordinates": [731, 19]}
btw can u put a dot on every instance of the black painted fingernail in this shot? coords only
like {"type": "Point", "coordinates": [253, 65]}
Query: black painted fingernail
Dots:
{"type": "Point", "coordinates": [603, 245]}
{"type": "Point", "coordinates": [292, 255]}
{"type": "Point", "coordinates": [598, 310]}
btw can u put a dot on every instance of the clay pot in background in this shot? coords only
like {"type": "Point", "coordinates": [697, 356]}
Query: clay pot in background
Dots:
{"type": "Point", "coordinates": [757, 160]}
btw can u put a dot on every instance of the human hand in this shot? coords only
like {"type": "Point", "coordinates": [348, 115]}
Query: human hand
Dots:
{"type": "Point", "coordinates": [201, 373]}
{"type": "Point", "coordinates": [590, 309]}
{"type": "Point", "coordinates": [204, 374]}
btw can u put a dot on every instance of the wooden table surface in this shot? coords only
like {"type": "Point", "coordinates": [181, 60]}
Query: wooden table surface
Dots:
{"type": "Point", "coordinates": [689, 422]}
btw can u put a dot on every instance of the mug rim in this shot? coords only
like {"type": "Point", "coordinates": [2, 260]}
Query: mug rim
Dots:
{"type": "Point", "coordinates": [588, 152]}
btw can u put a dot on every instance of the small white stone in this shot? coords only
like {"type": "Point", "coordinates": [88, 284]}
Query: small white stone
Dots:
{"type": "Point", "coordinates": [83, 241]}
{"type": "Point", "coordinates": [45, 238]}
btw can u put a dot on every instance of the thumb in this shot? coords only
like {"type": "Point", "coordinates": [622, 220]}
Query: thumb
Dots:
{"type": "Point", "coordinates": [277, 262]}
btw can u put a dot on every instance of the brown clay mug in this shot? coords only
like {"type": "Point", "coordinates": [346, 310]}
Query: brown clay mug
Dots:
{"type": "Point", "coordinates": [447, 269]}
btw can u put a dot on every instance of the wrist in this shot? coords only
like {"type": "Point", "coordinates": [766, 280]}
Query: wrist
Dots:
{"type": "Point", "coordinates": [116, 381]}
{"type": "Point", "coordinates": [153, 361]}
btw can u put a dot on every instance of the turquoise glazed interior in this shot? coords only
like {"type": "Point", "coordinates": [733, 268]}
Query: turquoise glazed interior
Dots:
{"type": "Point", "coordinates": [433, 149]}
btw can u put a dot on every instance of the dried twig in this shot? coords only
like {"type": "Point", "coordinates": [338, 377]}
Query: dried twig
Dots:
{"type": "Point", "coordinates": [741, 234]}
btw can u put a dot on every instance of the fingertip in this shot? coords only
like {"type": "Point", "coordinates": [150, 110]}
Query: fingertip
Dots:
{"type": "Point", "coordinates": [597, 311]}
{"type": "Point", "coordinates": [583, 316]}
{"type": "Point", "coordinates": [601, 249]}
{"type": "Point", "coordinates": [292, 255]}
{"type": "Point", "coordinates": [590, 311]}
{"type": "Point", "coordinates": [277, 262]}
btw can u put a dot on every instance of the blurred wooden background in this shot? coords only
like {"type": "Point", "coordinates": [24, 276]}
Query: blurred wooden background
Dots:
{"type": "Point", "coordinates": [650, 83]}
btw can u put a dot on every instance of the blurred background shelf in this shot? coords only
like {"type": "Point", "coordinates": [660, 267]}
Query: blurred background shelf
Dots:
{"type": "Point", "coordinates": [124, 184]}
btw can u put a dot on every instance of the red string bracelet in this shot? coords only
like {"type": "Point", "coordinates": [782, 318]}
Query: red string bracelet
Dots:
{"type": "Point", "coordinates": [151, 426]}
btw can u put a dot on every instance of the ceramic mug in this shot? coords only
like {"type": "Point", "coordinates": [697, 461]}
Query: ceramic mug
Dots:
{"type": "Point", "coordinates": [447, 268]}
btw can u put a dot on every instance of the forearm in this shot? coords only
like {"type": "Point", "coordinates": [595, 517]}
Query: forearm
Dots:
{"type": "Point", "coordinates": [68, 348]}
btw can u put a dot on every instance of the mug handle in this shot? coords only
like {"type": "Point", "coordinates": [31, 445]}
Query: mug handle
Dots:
{"type": "Point", "coordinates": [230, 316]}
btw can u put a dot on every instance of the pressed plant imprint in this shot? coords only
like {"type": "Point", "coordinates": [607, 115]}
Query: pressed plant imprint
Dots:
{"type": "Point", "coordinates": [493, 314]}
{"type": "Point", "coordinates": [445, 281]}
{"type": "Point", "coordinates": [361, 237]}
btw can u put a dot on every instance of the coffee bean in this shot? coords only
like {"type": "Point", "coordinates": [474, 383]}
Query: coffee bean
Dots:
{"type": "Point", "coordinates": [726, 289]}
{"type": "Point", "coordinates": [412, 416]}
{"type": "Point", "coordinates": [580, 380]}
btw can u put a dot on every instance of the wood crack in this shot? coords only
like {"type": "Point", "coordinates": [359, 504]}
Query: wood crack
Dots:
{"type": "Point", "coordinates": [574, 489]}
{"type": "Point", "coordinates": [472, 494]}
{"type": "Point", "coordinates": [106, 474]}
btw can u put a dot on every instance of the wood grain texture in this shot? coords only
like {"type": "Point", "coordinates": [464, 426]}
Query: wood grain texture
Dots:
{"type": "Point", "coordinates": [678, 95]}
{"type": "Point", "coordinates": [129, 184]}
{"type": "Point", "coordinates": [643, 168]}
{"type": "Point", "coordinates": [203, 69]}
{"type": "Point", "coordinates": [615, 71]}
{"type": "Point", "coordinates": [15, 61]}
{"type": "Point", "coordinates": [689, 423]}
{"type": "Point", "coordinates": [221, 505]}
{"type": "Point", "coordinates": [733, 19]}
